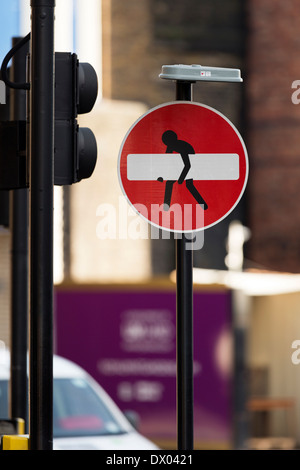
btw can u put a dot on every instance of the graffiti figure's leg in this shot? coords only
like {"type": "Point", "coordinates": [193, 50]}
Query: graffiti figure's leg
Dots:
{"type": "Point", "coordinates": [168, 194]}
{"type": "Point", "coordinates": [190, 186]}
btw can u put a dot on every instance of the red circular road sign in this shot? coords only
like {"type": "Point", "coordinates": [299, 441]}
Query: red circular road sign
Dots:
{"type": "Point", "coordinates": [183, 166]}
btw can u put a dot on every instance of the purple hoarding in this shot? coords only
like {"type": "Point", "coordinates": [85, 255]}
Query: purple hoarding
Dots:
{"type": "Point", "coordinates": [125, 337]}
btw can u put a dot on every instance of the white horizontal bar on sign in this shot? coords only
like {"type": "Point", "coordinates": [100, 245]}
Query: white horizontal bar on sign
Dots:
{"type": "Point", "coordinates": [168, 166]}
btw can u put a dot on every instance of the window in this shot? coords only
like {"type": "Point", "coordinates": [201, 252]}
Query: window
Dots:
{"type": "Point", "coordinates": [79, 411]}
{"type": "Point", "coordinates": [207, 26]}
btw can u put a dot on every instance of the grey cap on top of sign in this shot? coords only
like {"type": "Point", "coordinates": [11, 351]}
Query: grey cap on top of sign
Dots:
{"type": "Point", "coordinates": [198, 73]}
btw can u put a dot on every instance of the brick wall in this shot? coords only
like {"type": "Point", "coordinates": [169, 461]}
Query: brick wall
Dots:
{"type": "Point", "coordinates": [135, 47]}
{"type": "Point", "coordinates": [273, 136]}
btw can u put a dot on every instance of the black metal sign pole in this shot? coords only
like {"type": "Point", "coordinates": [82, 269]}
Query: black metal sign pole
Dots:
{"type": "Point", "coordinates": [41, 223]}
{"type": "Point", "coordinates": [19, 257]}
{"type": "Point", "coordinates": [184, 327]}
{"type": "Point", "coordinates": [185, 76]}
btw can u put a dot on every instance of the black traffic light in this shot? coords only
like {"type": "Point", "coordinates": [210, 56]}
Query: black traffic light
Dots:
{"type": "Point", "coordinates": [12, 121]}
{"type": "Point", "coordinates": [75, 148]}
{"type": "Point", "coordinates": [12, 146]}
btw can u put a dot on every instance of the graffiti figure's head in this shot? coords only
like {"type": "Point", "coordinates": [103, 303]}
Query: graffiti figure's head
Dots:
{"type": "Point", "coordinates": [169, 138]}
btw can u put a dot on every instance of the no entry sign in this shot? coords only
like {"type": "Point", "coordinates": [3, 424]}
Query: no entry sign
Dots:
{"type": "Point", "coordinates": [183, 166]}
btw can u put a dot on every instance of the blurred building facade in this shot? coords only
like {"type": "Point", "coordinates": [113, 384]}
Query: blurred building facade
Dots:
{"type": "Point", "coordinates": [140, 37]}
{"type": "Point", "coordinates": [261, 39]}
{"type": "Point", "coordinates": [128, 42]}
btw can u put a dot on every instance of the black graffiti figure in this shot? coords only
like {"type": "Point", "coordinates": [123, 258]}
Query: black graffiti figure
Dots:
{"type": "Point", "coordinates": [169, 138]}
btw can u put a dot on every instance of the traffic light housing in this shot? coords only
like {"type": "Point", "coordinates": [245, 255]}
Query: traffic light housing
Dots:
{"type": "Point", "coordinates": [75, 148]}
{"type": "Point", "coordinates": [12, 147]}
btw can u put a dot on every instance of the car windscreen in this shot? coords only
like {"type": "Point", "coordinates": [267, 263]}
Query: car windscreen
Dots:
{"type": "Point", "coordinates": [79, 411]}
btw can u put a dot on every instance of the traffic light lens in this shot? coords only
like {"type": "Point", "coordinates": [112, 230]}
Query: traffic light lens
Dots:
{"type": "Point", "coordinates": [87, 87]}
{"type": "Point", "coordinates": [87, 153]}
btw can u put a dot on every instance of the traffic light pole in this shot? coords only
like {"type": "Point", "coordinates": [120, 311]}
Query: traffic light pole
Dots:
{"type": "Point", "coordinates": [41, 223]}
{"type": "Point", "coordinates": [59, 88]}
{"type": "Point", "coordinates": [184, 324]}
{"type": "Point", "coordinates": [19, 258]}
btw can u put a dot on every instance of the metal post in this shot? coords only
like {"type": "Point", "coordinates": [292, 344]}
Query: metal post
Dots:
{"type": "Point", "coordinates": [184, 327]}
{"type": "Point", "coordinates": [19, 258]}
{"type": "Point", "coordinates": [41, 223]}
{"type": "Point", "coordinates": [185, 76]}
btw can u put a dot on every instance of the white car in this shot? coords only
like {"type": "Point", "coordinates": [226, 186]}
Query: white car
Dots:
{"type": "Point", "coordinates": [84, 416]}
